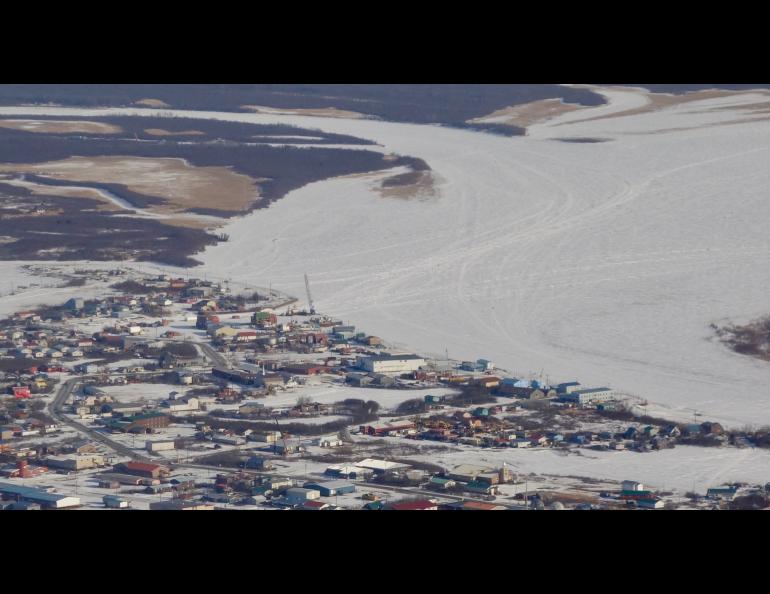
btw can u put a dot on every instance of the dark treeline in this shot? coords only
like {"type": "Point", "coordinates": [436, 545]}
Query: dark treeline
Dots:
{"type": "Point", "coordinates": [449, 104]}
{"type": "Point", "coordinates": [283, 168]}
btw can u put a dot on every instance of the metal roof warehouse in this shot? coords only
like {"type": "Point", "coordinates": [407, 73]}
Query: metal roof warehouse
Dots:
{"type": "Point", "coordinates": [45, 499]}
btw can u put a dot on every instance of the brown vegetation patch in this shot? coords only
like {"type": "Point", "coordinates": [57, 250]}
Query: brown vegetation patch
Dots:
{"type": "Point", "coordinates": [151, 103]}
{"type": "Point", "coordinates": [181, 185]}
{"type": "Point", "coordinates": [751, 339]}
{"type": "Point", "coordinates": [413, 184]}
{"type": "Point", "coordinates": [658, 101]}
{"type": "Point", "coordinates": [528, 113]}
{"type": "Point", "coordinates": [68, 192]}
{"type": "Point", "coordinates": [60, 127]}
{"type": "Point", "coordinates": [162, 132]}
{"type": "Point", "coordinates": [323, 112]}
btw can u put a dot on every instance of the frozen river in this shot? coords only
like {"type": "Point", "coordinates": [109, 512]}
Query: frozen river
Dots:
{"type": "Point", "coordinates": [602, 261]}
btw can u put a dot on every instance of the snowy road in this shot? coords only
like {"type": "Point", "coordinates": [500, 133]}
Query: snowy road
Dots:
{"type": "Point", "coordinates": [602, 261]}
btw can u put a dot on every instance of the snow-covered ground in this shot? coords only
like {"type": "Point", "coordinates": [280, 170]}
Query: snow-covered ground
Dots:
{"type": "Point", "coordinates": [605, 262]}
{"type": "Point", "coordinates": [148, 392]}
{"type": "Point", "coordinates": [328, 393]}
{"type": "Point", "coordinates": [684, 468]}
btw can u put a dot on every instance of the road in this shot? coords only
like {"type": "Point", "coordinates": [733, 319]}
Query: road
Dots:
{"type": "Point", "coordinates": [408, 491]}
{"type": "Point", "coordinates": [54, 408]}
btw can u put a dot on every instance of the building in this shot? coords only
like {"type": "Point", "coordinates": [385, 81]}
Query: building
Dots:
{"type": "Point", "coordinates": [303, 369]}
{"type": "Point", "coordinates": [348, 472]}
{"type": "Point", "coordinates": [258, 463]}
{"type": "Point", "coordinates": [143, 469]}
{"type": "Point", "coordinates": [329, 441]}
{"type": "Point", "coordinates": [420, 505]}
{"type": "Point", "coordinates": [567, 388]}
{"type": "Point", "coordinates": [631, 486]}
{"type": "Point", "coordinates": [381, 466]}
{"type": "Point", "coordinates": [181, 505]}
{"type": "Point", "coordinates": [331, 488]}
{"type": "Point", "coordinates": [589, 396]}
{"type": "Point", "coordinates": [140, 423]}
{"type": "Point", "coordinates": [45, 499]}
{"type": "Point", "coordinates": [389, 363]}
{"type": "Point", "coordinates": [651, 503]}
{"type": "Point", "coordinates": [474, 506]}
{"type": "Point", "coordinates": [722, 493]}
{"type": "Point", "coordinates": [298, 495]}
{"type": "Point", "coordinates": [160, 446]}
{"type": "Point", "coordinates": [468, 472]}
{"type": "Point", "coordinates": [76, 461]}
{"type": "Point", "coordinates": [386, 427]}
{"type": "Point", "coordinates": [114, 502]}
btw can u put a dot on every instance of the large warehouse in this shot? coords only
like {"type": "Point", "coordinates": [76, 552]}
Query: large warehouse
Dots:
{"type": "Point", "coordinates": [45, 499]}
{"type": "Point", "coordinates": [390, 363]}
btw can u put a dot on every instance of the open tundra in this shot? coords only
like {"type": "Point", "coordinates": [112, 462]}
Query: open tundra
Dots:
{"type": "Point", "coordinates": [600, 246]}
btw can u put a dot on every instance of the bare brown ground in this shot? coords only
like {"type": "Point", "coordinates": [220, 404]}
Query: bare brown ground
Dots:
{"type": "Point", "coordinates": [528, 113]}
{"type": "Point", "coordinates": [60, 127]}
{"type": "Point", "coordinates": [183, 186]}
{"type": "Point", "coordinates": [660, 101]}
{"type": "Point", "coordinates": [325, 112]}
{"type": "Point", "coordinates": [151, 103]}
{"type": "Point", "coordinates": [162, 132]}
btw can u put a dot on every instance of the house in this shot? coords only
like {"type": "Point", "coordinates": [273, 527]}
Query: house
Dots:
{"type": "Point", "coordinates": [385, 428]}
{"type": "Point", "coordinates": [314, 505]}
{"type": "Point", "coordinates": [722, 493]}
{"type": "Point", "coordinates": [486, 382]}
{"type": "Point", "coordinates": [358, 379]}
{"type": "Point", "coordinates": [474, 506]}
{"type": "Point", "coordinates": [441, 483]}
{"type": "Point", "coordinates": [651, 503]}
{"type": "Point", "coordinates": [382, 380]}
{"type": "Point", "coordinates": [181, 505]}
{"type": "Point", "coordinates": [631, 486]}
{"type": "Point", "coordinates": [481, 487]}
{"type": "Point", "coordinates": [258, 463]}
{"type": "Point", "coordinates": [419, 505]}
{"type": "Point", "coordinates": [329, 441]}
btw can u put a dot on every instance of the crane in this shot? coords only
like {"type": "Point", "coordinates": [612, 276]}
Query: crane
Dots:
{"type": "Point", "coordinates": [285, 451]}
{"type": "Point", "coordinates": [309, 297]}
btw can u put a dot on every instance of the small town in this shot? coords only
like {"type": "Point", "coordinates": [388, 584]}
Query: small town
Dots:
{"type": "Point", "coordinates": [187, 394]}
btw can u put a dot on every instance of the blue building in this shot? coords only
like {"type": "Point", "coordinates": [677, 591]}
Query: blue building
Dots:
{"type": "Point", "coordinates": [331, 488]}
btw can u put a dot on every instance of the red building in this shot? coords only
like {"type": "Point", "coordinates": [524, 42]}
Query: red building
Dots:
{"type": "Point", "coordinates": [21, 392]}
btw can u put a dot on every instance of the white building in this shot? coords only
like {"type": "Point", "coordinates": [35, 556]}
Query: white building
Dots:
{"type": "Point", "coordinates": [590, 395]}
{"type": "Point", "coordinates": [632, 486]}
{"type": "Point", "coordinates": [159, 446]}
{"type": "Point", "coordinates": [390, 363]}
